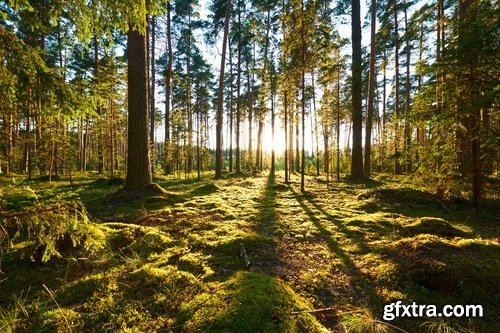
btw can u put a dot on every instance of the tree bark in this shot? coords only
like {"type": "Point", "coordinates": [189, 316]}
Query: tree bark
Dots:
{"type": "Point", "coordinates": [407, 128]}
{"type": "Point", "coordinates": [371, 90]}
{"type": "Point", "coordinates": [238, 97]}
{"type": "Point", "coordinates": [138, 161]}
{"type": "Point", "coordinates": [357, 113]}
{"type": "Point", "coordinates": [303, 102]}
{"type": "Point", "coordinates": [397, 167]}
{"type": "Point", "coordinates": [167, 91]}
{"type": "Point", "coordinates": [152, 94]}
{"type": "Point", "coordinates": [220, 97]}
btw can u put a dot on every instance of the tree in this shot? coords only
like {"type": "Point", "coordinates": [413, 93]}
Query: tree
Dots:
{"type": "Point", "coordinates": [357, 114]}
{"type": "Point", "coordinates": [220, 97]}
{"type": "Point", "coordinates": [138, 161]}
{"type": "Point", "coordinates": [371, 89]}
{"type": "Point", "coordinates": [168, 79]}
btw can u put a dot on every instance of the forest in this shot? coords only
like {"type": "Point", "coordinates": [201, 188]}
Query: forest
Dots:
{"type": "Point", "coordinates": [249, 165]}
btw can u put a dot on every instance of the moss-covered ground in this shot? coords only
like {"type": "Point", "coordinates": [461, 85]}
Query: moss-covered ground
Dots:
{"type": "Point", "coordinates": [326, 260]}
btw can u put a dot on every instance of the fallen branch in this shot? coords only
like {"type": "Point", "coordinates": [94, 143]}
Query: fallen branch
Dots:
{"type": "Point", "coordinates": [313, 311]}
{"type": "Point", "coordinates": [324, 310]}
{"type": "Point", "coordinates": [244, 255]}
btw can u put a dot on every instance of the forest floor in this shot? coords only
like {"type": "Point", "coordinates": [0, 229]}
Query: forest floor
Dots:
{"type": "Point", "coordinates": [89, 258]}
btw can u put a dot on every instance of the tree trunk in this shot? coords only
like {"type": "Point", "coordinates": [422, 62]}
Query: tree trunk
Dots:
{"type": "Point", "coordinates": [152, 95]}
{"type": "Point", "coordinates": [138, 161]}
{"type": "Point", "coordinates": [188, 97]}
{"type": "Point", "coordinates": [167, 91]}
{"type": "Point", "coordinates": [357, 113]}
{"type": "Point", "coordinates": [250, 114]}
{"type": "Point", "coordinates": [337, 173]}
{"type": "Point", "coordinates": [407, 128]}
{"type": "Point", "coordinates": [371, 90]}
{"type": "Point", "coordinates": [297, 146]}
{"type": "Point", "coordinates": [100, 156]}
{"type": "Point", "coordinates": [316, 133]}
{"type": "Point", "coordinates": [238, 97]}
{"type": "Point", "coordinates": [220, 97]}
{"type": "Point", "coordinates": [397, 167]}
{"type": "Point", "coordinates": [285, 106]}
{"type": "Point", "coordinates": [273, 153]}
{"type": "Point", "coordinates": [231, 115]}
{"type": "Point", "coordinates": [384, 100]}
{"type": "Point", "coordinates": [303, 102]}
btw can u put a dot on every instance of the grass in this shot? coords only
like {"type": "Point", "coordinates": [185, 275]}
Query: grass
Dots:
{"type": "Point", "coordinates": [170, 261]}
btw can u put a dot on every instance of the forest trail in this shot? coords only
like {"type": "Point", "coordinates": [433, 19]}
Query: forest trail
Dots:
{"type": "Point", "coordinates": [171, 263]}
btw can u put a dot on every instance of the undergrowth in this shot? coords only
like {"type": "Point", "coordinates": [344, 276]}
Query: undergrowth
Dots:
{"type": "Point", "coordinates": [94, 259]}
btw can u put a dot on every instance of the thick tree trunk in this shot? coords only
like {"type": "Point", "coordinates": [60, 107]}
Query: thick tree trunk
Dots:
{"type": "Point", "coordinates": [138, 161]}
{"type": "Point", "coordinates": [357, 113]}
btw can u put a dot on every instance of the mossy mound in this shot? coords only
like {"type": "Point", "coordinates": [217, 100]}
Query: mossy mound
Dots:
{"type": "Point", "coordinates": [399, 196]}
{"type": "Point", "coordinates": [247, 302]}
{"type": "Point", "coordinates": [281, 187]}
{"type": "Point", "coordinates": [434, 226]}
{"type": "Point", "coordinates": [205, 190]}
{"type": "Point", "coordinates": [466, 270]}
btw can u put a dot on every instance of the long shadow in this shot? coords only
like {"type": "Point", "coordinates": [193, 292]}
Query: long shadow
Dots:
{"type": "Point", "coordinates": [258, 299]}
{"type": "Point", "coordinates": [358, 279]}
{"type": "Point", "coordinates": [265, 225]}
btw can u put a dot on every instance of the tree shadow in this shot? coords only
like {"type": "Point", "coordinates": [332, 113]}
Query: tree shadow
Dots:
{"type": "Point", "coordinates": [253, 298]}
{"type": "Point", "coordinates": [359, 285]}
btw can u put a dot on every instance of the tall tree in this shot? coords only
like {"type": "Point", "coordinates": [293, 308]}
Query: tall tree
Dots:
{"type": "Point", "coordinates": [220, 96]}
{"type": "Point", "coordinates": [371, 89]}
{"type": "Point", "coordinates": [138, 161]}
{"type": "Point", "coordinates": [168, 79]}
{"type": "Point", "coordinates": [357, 113]}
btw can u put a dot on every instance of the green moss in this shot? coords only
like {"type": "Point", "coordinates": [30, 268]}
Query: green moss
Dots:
{"type": "Point", "coordinates": [172, 260]}
{"type": "Point", "coordinates": [434, 226]}
{"type": "Point", "coordinates": [205, 190]}
{"type": "Point", "coordinates": [247, 302]}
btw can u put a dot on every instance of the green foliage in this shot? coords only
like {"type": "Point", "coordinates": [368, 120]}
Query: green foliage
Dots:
{"type": "Point", "coordinates": [15, 313]}
{"type": "Point", "coordinates": [442, 326]}
{"type": "Point", "coordinates": [364, 323]}
{"type": "Point", "coordinates": [49, 227]}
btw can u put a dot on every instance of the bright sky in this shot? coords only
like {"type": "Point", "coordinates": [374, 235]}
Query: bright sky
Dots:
{"type": "Point", "coordinates": [212, 55]}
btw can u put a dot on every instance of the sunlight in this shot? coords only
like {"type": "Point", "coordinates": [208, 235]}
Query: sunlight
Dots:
{"type": "Point", "coordinates": [279, 142]}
